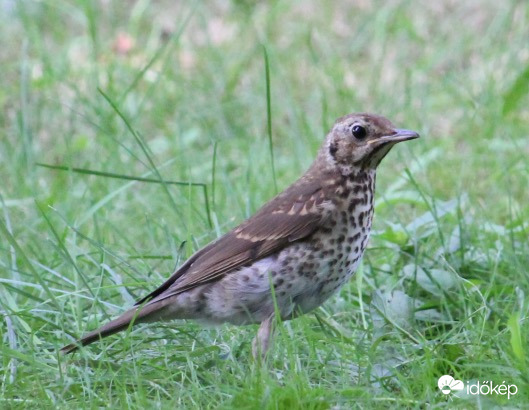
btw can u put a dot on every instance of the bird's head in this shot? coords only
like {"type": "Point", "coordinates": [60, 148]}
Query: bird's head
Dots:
{"type": "Point", "coordinates": [361, 141]}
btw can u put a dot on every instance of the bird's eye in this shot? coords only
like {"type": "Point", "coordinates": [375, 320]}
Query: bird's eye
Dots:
{"type": "Point", "coordinates": [359, 132]}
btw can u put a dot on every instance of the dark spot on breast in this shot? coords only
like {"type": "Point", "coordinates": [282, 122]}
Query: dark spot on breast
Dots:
{"type": "Point", "coordinates": [362, 176]}
{"type": "Point", "coordinates": [353, 204]}
{"type": "Point", "coordinates": [286, 261]}
{"type": "Point", "coordinates": [361, 218]}
{"type": "Point", "coordinates": [333, 148]}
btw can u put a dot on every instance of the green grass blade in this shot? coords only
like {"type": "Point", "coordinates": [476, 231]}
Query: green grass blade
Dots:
{"type": "Point", "coordinates": [517, 345]}
{"type": "Point", "coordinates": [269, 116]}
{"type": "Point", "coordinates": [139, 140]}
{"type": "Point", "coordinates": [86, 171]}
{"type": "Point", "coordinates": [66, 255]}
{"type": "Point", "coordinates": [519, 89]}
{"type": "Point", "coordinates": [157, 55]}
{"type": "Point", "coordinates": [134, 178]}
{"type": "Point", "coordinates": [21, 254]}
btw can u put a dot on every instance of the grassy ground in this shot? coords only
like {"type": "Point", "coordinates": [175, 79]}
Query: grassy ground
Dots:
{"type": "Point", "coordinates": [158, 90]}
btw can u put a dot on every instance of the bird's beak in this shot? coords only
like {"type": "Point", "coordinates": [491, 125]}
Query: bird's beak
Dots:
{"type": "Point", "coordinates": [403, 135]}
{"type": "Point", "coordinates": [399, 135]}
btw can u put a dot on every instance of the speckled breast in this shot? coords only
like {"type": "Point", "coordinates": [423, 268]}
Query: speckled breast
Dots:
{"type": "Point", "coordinates": [312, 270]}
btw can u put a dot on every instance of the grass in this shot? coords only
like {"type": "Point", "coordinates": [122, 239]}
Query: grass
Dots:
{"type": "Point", "coordinates": [236, 97]}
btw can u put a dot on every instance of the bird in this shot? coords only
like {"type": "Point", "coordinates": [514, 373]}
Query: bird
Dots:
{"type": "Point", "coordinates": [288, 258]}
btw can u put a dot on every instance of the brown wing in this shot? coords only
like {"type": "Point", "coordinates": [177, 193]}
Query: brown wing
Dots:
{"type": "Point", "coordinates": [292, 215]}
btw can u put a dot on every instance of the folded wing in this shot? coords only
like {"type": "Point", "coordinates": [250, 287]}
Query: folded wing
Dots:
{"type": "Point", "coordinates": [293, 215]}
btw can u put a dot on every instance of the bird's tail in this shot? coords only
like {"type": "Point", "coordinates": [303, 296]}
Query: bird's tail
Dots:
{"type": "Point", "coordinates": [135, 315]}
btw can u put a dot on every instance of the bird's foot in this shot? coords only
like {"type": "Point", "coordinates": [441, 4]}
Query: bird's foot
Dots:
{"type": "Point", "coordinates": [262, 340]}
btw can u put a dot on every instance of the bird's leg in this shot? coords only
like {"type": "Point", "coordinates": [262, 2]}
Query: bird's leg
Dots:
{"type": "Point", "coordinates": [262, 340]}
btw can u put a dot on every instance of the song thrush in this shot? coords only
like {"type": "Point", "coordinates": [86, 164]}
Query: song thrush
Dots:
{"type": "Point", "coordinates": [294, 253]}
